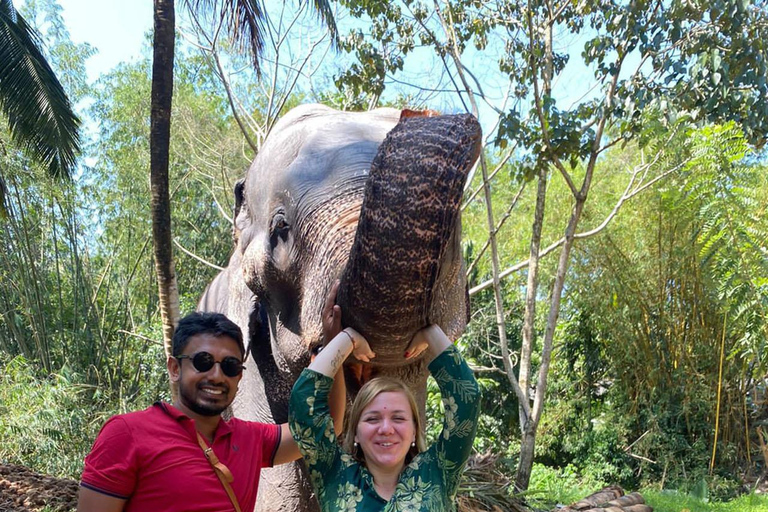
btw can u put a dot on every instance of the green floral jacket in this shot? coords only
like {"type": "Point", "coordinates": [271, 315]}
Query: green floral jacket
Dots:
{"type": "Point", "coordinates": [427, 484]}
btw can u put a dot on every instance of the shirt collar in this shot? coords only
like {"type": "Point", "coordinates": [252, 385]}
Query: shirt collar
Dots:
{"type": "Point", "coordinates": [224, 428]}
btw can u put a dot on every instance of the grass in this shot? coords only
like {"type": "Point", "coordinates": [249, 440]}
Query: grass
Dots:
{"type": "Point", "coordinates": [550, 487]}
{"type": "Point", "coordinates": [671, 501]}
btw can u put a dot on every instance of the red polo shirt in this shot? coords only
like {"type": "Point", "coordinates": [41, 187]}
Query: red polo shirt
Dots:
{"type": "Point", "coordinates": [152, 459]}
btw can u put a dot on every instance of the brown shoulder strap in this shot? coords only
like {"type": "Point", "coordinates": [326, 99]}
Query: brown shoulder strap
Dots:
{"type": "Point", "coordinates": [222, 471]}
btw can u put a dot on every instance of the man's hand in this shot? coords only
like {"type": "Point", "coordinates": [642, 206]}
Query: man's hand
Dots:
{"type": "Point", "coordinates": [331, 315]}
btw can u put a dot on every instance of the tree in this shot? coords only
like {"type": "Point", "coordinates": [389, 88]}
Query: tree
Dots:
{"type": "Point", "coordinates": [244, 18]}
{"type": "Point", "coordinates": [40, 117]}
{"type": "Point", "coordinates": [159, 144]}
{"type": "Point", "coordinates": [694, 61]}
{"type": "Point", "coordinates": [58, 295]}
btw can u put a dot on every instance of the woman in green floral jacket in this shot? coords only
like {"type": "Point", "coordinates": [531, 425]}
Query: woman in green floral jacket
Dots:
{"type": "Point", "coordinates": [384, 464]}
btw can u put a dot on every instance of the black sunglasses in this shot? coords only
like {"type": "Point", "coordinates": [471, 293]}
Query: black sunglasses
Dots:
{"type": "Point", "coordinates": [203, 362]}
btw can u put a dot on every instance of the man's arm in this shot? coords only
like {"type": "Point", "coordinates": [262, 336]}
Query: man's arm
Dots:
{"type": "Point", "coordinates": [288, 451]}
{"type": "Point", "coordinates": [110, 469]}
{"type": "Point", "coordinates": [89, 500]}
{"type": "Point", "coordinates": [331, 319]}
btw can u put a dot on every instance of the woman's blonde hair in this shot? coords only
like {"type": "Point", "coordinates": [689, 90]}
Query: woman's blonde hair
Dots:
{"type": "Point", "coordinates": [365, 396]}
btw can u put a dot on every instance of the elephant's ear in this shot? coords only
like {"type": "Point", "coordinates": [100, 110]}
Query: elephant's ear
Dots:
{"type": "Point", "coordinates": [239, 195]}
{"type": "Point", "coordinates": [239, 201]}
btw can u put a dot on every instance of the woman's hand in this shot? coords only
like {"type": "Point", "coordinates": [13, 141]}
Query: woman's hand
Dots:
{"type": "Point", "coordinates": [430, 337]}
{"type": "Point", "coordinates": [360, 348]}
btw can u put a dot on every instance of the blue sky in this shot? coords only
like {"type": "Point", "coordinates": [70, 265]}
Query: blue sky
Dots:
{"type": "Point", "coordinates": [116, 28]}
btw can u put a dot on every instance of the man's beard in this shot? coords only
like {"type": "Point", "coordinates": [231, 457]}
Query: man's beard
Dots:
{"type": "Point", "coordinates": [203, 410]}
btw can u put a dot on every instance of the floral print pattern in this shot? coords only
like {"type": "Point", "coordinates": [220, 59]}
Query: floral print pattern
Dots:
{"type": "Point", "coordinates": [427, 484]}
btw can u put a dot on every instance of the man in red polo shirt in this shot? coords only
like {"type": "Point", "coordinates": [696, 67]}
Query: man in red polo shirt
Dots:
{"type": "Point", "coordinates": [152, 460]}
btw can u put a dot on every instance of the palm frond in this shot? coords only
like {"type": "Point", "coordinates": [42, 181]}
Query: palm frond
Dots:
{"type": "Point", "coordinates": [323, 8]}
{"type": "Point", "coordinates": [486, 487]}
{"type": "Point", "coordinates": [245, 22]}
{"type": "Point", "coordinates": [40, 117]}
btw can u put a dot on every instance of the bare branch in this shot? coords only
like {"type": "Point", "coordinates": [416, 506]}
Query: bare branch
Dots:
{"type": "Point", "coordinates": [233, 107]}
{"type": "Point", "coordinates": [500, 315]}
{"type": "Point", "coordinates": [140, 336]}
{"type": "Point", "coordinates": [503, 162]}
{"type": "Point", "coordinates": [644, 459]}
{"type": "Point", "coordinates": [504, 218]}
{"type": "Point", "coordinates": [628, 194]}
{"type": "Point", "coordinates": [198, 258]}
{"type": "Point", "coordinates": [221, 209]}
{"type": "Point", "coordinates": [212, 51]}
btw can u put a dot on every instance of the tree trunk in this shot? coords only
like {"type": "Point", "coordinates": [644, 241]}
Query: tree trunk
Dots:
{"type": "Point", "coordinates": [159, 143]}
{"type": "Point", "coordinates": [528, 441]}
{"type": "Point", "coordinates": [531, 289]}
{"type": "Point", "coordinates": [525, 464]}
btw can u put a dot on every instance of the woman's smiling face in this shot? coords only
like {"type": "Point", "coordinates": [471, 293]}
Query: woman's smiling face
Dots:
{"type": "Point", "coordinates": [386, 430]}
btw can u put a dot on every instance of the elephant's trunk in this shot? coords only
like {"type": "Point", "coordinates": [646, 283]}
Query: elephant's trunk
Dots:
{"type": "Point", "coordinates": [406, 237]}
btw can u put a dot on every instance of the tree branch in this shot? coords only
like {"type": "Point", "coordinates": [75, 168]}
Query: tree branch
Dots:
{"type": "Point", "coordinates": [500, 316]}
{"type": "Point", "coordinates": [195, 256]}
{"type": "Point", "coordinates": [586, 234]}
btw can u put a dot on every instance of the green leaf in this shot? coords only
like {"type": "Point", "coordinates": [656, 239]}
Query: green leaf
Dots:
{"type": "Point", "coordinates": [40, 117]}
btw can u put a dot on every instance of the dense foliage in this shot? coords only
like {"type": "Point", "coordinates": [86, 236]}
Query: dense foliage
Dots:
{"type": "Point", "coordinates": [655, 298]}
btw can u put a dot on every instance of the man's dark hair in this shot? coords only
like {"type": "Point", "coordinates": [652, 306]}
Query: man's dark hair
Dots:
{"type": "Point", "coordinates": [214, 324]}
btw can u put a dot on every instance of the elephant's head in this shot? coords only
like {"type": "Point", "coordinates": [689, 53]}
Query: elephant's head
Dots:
{"type": "Point", "coordinates": [299, 218]}
{"type": "Point", "coordinates": [300, 208]}
{"type": "Point", "coordinates": [371, 198]}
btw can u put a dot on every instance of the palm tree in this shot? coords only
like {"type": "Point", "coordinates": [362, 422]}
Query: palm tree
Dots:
{"type": "Point", "coordinates": [40, 117]}
{"type": "Point", "coordinates": [244, 19]}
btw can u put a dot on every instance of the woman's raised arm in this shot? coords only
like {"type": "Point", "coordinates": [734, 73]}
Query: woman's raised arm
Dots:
{"type": "Point", "coordinates": [461, 399]}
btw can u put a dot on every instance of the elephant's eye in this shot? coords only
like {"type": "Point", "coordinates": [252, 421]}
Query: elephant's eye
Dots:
{"type": "Point", "coordinates": [279, 224]}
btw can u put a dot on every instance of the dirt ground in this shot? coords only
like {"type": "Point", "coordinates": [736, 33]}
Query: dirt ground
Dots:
{"type": "Point", "coordinates": [22, 490]}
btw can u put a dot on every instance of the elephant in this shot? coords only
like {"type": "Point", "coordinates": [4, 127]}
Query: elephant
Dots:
{"type": "Point", "coordinates": [371, 198]}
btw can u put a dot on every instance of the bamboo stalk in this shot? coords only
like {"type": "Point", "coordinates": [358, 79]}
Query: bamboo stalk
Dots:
{"type": "Point", "coordinates": [719, 389]}
{"type": "Point", "coordinates": [746, 430]}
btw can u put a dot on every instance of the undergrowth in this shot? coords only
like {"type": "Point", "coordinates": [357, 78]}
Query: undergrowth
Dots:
{"type": "Point", "coordinates": [671, 501]}
{"type": "Point", "coordinates": [48, 422]}
{"type": "Point", "coordinates": [550, 488]}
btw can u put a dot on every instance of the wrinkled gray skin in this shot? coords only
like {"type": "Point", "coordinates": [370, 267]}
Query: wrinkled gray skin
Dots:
{"type": "Point", "coordinates": [296, 218]}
